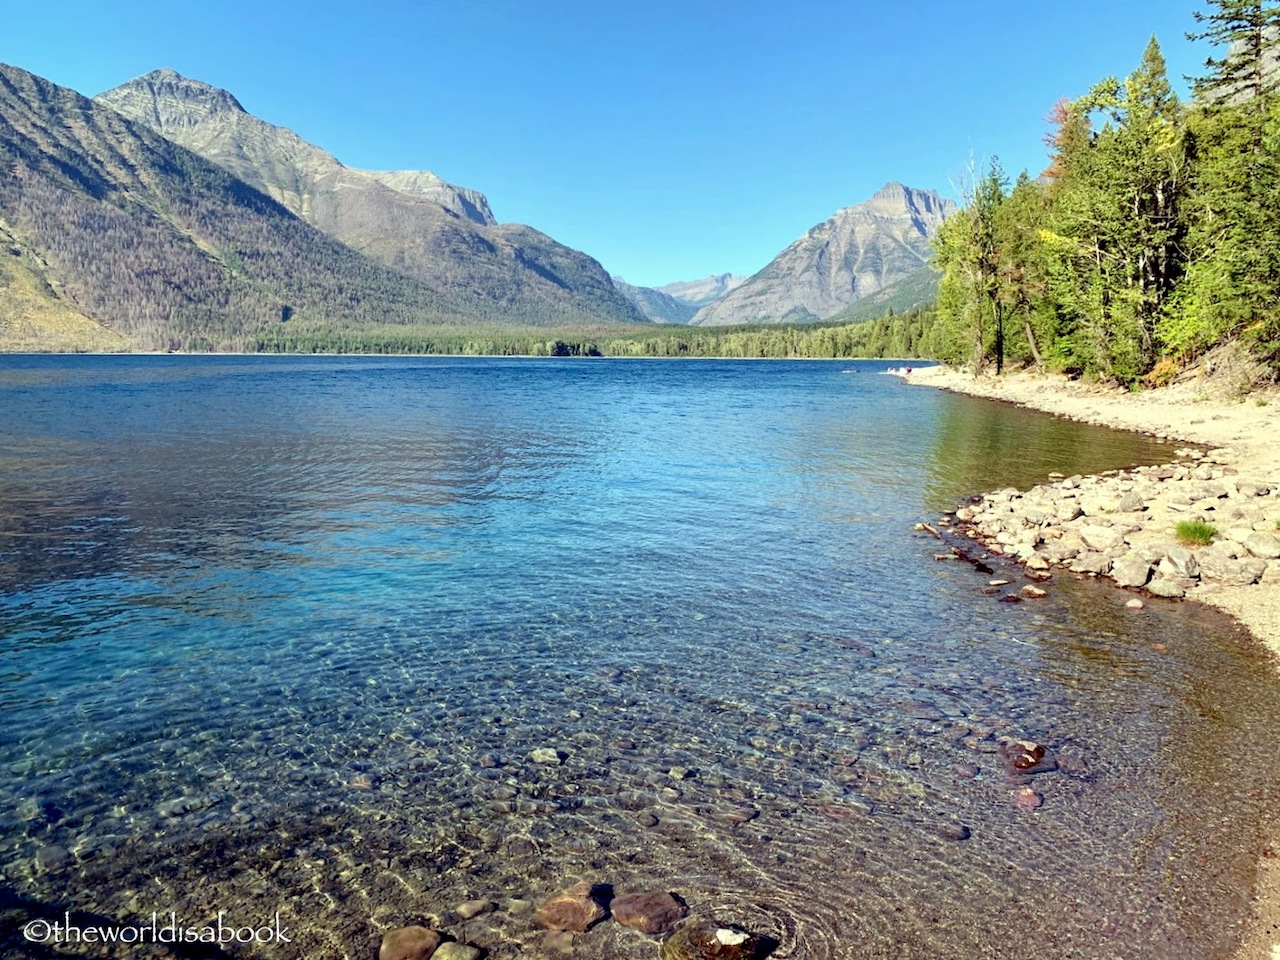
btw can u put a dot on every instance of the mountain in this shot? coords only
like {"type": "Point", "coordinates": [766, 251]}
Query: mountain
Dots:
{"type": "Point", "coordinates": [113, 236]}
{"type": "Point", "coordinates": [654, 304]}
{"type": "Point", "coordinates": [678, 302]}
{"type": "Point", "coordinates": [860, 250]}
{"type": "Point", "coordinates": [412, 221]}
{"type": "Point", "coordinates": [700, 293]}
{"type": "Point", "coordinates": [912, 292]}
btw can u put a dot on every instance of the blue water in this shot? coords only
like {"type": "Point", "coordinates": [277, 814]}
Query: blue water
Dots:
{"type": "Point", "coordinates": [280, 635]}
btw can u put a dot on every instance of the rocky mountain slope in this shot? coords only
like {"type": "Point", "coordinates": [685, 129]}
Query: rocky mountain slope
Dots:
{"type": "Point", "coordinates": [113, 236]}
{"type": "Point", "coordinates": [413, 221]}
{"type": "Point", "coordinates": [700, 293]}
{"type": "Point", "coordinates": [678, 302]}
{"type": "Point", "coordinates": [915, 291]}
{"type": "Point", "coordinates": [654, 304]}
{"type": "Point", "coordinates": [859, 251]}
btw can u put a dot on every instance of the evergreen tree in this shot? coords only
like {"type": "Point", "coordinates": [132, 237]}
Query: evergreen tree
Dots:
{"type": "Point", "coordinates": [1117, 226]}
{"type": "Point", "coordinates": [1233, 277]}
{"type": "Point", "coordinates": [1246, 72]}
{"type": "Point", "coordinates": [967, 251]}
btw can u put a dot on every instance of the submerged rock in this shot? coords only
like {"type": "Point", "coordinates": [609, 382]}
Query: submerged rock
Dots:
{"type": "Point", "coordinates": [408, 943]}
{"type": "Point", "coordinates": [1026, 756]}
{"type": "Point", "coordinates": [474, 908]}
{"type": "Point", "coordinates": [654, 913]}
{"type": "Point", "coordinates": [52, 857]}
{"type": "Point", "coordinates": [1026, 800]}
{"type": "Point", "coordinates": [713, 941]}
{"type": "Point", "coordinates": [456, 951]}
{"type": "Point", "coordinates": [576, 909]}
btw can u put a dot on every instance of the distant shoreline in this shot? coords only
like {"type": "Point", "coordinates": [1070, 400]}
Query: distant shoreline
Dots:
{"type": "Point", "coordinates": [451, 356]}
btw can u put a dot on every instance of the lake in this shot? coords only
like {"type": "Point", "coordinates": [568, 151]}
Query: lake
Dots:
{"type": "Point", "coordinates": [282, 636]}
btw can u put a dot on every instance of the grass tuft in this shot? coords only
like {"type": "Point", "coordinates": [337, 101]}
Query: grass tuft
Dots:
{"type": "Point", "coordinates": [1195, 532]}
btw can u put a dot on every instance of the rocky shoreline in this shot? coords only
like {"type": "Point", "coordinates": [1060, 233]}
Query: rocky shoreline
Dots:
{"type": "Point", "coordinates": [1231, 482]}
{"type": "Point", "coordinates": [1123, 525]}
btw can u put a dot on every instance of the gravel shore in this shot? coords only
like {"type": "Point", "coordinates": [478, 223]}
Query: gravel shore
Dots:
{"type": "Point", "coordinates": [1121, 525]}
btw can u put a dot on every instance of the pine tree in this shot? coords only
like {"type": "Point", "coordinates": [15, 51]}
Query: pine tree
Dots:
{"type": "Point", "coordinates": [1250, 32]}
{"type": "Point", "coordinates": [1117, 227]}
{"type": "Point", "coordinates": [1233, 277]}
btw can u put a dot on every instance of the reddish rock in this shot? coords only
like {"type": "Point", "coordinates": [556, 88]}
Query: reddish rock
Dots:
{"type": "Point", "coordinates": [654, 913]}
{"type": "Point", "coordinates": [576, 909]}
{"type": "Point", "coordinates": [408, 943]}
{"type": "Point", "coordinates": [837, 811]}
{"type": "Point", "coordinates": [712, 941]}
{"type": "Point", "coordinates": [1026, 799]}
{"type": "Point", "coordinates": [1025, 756]}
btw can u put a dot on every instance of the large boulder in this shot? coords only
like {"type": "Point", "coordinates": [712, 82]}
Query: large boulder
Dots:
{"type": "Point", "coordinates": [408, 943]}
{"type": "Point", "coordinates": [1171, 587]}
{"type": "Point", "coordinates": [1179, 562]}
{"type": "Point", "coordinates": [1091, 563]}
{"type": "Point", "coordinates": [1131, 571]}
{"type": "Point", "coordinates": [576, 909]}
{"type": "Point", "coordinates": [1218, 566]}
{"type": "Point", "coordinates": [1100, 538]}
{"type": "Point", "coordinates": [1262, 544]}
{"type": "Point", "coordinates": [654, 913]}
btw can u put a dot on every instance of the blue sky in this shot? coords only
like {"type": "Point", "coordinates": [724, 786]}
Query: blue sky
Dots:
{"type": "Point", "coordinates": [670, 140]}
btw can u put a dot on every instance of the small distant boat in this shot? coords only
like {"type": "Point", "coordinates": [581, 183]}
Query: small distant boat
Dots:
{"type": "Point", "coordinates": [849, 371]}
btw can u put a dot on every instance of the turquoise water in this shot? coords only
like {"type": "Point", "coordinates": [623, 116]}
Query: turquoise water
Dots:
{"type": "Point", "coordinates": [279, 635]}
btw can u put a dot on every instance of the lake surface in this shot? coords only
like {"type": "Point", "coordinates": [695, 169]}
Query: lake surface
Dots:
{"type": "Point", "coordinates": [279, 635]}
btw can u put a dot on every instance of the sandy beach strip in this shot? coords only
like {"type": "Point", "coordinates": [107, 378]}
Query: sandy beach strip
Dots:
{"type": "Point", "coordinates": [1242, 434]}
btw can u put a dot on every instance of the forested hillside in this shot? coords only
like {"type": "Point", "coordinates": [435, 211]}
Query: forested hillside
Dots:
{"type": "Point", "coordinates": [411, 221]}
{"type": "Point", "coordinates": [166, 250]}
{"type": "Point", "coordinates": [1153, 236]}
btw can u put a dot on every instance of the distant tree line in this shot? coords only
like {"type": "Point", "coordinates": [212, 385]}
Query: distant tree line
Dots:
{"type": "Point", "coordinates": [890, 336]}
{"type": "Point", "coordinates": [1153, 236]}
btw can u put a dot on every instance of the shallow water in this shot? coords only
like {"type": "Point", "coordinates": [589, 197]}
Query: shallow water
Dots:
{"type": "Point", "coordinates": [280, 635]}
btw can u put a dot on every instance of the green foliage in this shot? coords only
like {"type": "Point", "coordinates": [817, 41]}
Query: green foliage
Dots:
{"type": "Point", "coordinates": [1155, 236]}
{"type": "Point", "coordinates": [1249, 32]}
{"type": "Point", "coordinates": [1195, 532]}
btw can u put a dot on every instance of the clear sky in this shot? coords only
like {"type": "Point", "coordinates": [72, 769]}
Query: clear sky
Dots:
{"type": "Point", "coordinates": [669, 139]}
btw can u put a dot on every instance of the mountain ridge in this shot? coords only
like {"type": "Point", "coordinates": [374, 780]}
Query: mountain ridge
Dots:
{"type": "Point", "coordinates": [858, 251]}
{"type": "Point", "coordinates": [158, 249]}
{"type": "Point", "coordinates": [678, 302]}
{"type": "Point", "coordinates": [412, 221]}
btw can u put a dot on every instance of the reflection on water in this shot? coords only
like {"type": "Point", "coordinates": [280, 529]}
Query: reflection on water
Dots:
{"type": "Point", "coordinates": [281, 635]}
{"type": "Point", "coordinates": [980, 444]}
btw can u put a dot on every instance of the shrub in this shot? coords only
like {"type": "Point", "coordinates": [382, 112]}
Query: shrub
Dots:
{"type": "Point", "coordinates": [1195, 532]}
